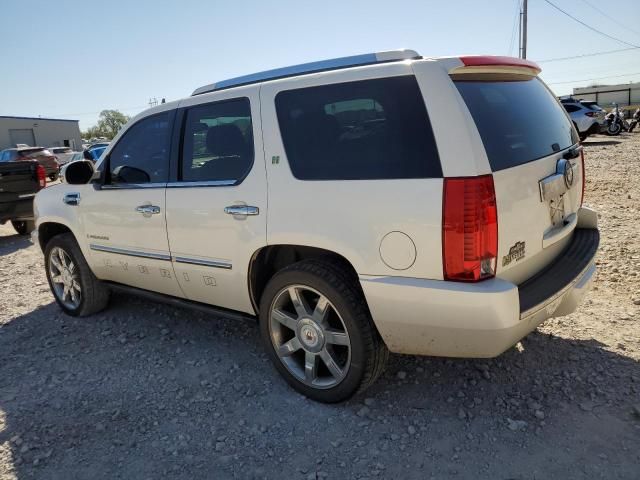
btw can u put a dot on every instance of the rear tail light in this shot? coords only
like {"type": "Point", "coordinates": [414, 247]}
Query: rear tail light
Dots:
{"type": "Point", "coordinates": [42, 176]}
{"type": "Point", "coordinates": [469, 229]}
{"type": "Point", "coordinates": [584, 176]}
{"type": "Point", "coordinates": [591, 114]}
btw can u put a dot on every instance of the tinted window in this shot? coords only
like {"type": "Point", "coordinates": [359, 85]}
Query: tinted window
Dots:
{"type": "Point", "coordinates": [593, 106]}
{"type": "Point", "coordinates": [571, 108]}
{"type": "Point", "coordinates": [218, 142]}
{"type": "Point", "coordinates": [518, 121]}
{"type": "Point", "coordinates": [371, 129]}
{"type": "Point", "coordinates": [34, 152]}
{"type": "Point", "coordinates": [142, 154]}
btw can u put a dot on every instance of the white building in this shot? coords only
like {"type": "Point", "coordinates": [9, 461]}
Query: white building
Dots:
{"type": "Point", "coordinates": [41, 132]}
{"type": "Point", "coordinates": [624, 94]}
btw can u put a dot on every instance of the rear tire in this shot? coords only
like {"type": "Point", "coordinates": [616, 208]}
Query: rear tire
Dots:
{"type": "Point", "coordinates": [74, 286]}
{"type": "Point", "coordinates": [327, 346]}
{"type": "Point", "coordinates": [23, 227]}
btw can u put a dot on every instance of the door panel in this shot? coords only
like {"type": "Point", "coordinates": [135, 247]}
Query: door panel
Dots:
{"type": "Point", "coordinates": [212, 249]}
{"type": "Point", "coordinates": [128, 246]}
{"type": "Point", "coordinates": [124, 219]}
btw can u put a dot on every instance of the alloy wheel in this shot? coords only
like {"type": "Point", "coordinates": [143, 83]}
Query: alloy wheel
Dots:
{"type": "Point", "coordinates": [64, 278]}
{"type": "Point", "coordinates": [309, 336]}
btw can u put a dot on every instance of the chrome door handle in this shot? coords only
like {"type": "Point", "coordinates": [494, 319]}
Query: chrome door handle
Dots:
{"type": "Point", "coordinates": [242, 210]}
{"type": "Point", "coordinates": [148, 210]}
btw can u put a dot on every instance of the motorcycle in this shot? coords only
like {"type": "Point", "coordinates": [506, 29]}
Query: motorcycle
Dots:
{"type": "Point", "coordinates": [615, 122]}
{"type": "Point", "coordinates": [634, 120]}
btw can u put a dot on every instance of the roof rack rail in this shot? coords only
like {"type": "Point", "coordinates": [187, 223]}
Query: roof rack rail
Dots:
{"type": "Point", "coordinates": [312, 67]}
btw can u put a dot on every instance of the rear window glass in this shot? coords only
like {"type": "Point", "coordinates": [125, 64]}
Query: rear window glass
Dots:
{"type": "Point", "coordinates": [519, 121]}
{"type": "Point", "coordinates": [34, 152]}
{"type": "Point", "coordinates": [370, 129]}
{"type": "Point", "coordinates": [593, 106]}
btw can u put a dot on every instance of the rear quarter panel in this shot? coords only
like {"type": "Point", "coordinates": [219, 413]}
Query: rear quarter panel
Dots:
{"type": "Point", "coordinates": [350, 217]}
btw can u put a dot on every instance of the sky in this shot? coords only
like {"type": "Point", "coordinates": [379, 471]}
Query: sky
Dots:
{"type": "Point", "coordinates": [71, 59]}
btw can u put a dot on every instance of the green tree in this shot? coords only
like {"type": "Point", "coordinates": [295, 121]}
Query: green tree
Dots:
{"type": "Point", "coordinates": [109, 123]}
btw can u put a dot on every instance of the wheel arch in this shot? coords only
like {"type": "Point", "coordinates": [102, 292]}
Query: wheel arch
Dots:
{"type": "Point", "coordinates": [270, 259]}
{"type": "Point", "coordinates": [49, 229]}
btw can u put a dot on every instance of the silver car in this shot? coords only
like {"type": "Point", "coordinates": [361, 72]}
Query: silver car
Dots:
{"type": "Point", "coordinates": [587, 117]}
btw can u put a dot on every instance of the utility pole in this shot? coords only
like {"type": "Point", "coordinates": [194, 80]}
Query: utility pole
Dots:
{"type": "Point", "coordinates": [523, 30]}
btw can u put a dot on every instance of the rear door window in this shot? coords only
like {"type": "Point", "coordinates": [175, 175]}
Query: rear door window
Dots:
{"type": "Point", "coordinates": [519, 120]}
{"type": "Point", "coordinates": [370, 129]}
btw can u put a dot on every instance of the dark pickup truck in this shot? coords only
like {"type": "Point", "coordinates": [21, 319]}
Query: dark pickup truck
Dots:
{"type": "Point", "coordinates": [19, 183]}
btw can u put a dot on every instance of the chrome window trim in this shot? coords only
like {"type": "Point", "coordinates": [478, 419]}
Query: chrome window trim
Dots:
{"type": "Point", "coordinates": [205, 263]}
{"type": "Point", "coordinates": [209, 183]}
{"type": "Point", "coordinates": [131, 253]}
{"type": "Point", "coordinates": [128, 186]}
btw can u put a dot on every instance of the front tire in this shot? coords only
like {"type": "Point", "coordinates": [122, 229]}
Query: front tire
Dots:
{"type": "Point", "coordinates": [23, 227]}
{"type": "Point", "coordinates": [614, 129]}
{"type": "Point", "coordinates": [318, 332]}
{"type": "Point", "coordinates": [74, 286]}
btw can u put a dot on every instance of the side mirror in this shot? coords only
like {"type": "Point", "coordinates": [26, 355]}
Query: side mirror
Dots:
{"type": "Point", "coordinates": [127, 174]}
{"type": "Point", "coordinates": [87, 155]}
{"type": "Point", "coordinates": [77, 173]}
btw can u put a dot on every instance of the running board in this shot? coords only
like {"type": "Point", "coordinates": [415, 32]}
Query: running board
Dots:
{"type": "Point", "coordinates": [179, 302]}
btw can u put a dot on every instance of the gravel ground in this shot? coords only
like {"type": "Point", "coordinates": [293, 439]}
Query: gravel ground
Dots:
{"type": "Point", "coordinates": [151, 391]}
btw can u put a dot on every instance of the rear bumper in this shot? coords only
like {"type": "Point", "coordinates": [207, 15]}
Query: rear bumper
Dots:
{"type": "Point", "coordinates": [21, 209]}
{"type": "Point", "coordinates": [431, 317]}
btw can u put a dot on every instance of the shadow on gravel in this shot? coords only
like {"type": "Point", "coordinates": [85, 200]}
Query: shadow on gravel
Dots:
{"type": "Point", "coordinates": [151, 391]}
{"type": "Point", "coordinates": [600, 143]}
{"type": "Point", "coordinates": [12, 243]}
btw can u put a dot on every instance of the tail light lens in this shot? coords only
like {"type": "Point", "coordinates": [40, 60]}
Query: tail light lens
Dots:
{"type": "Point", "coordinates": [469, 229]}
{"type": "Point", "coordinates": [584, 177]}
{"type": "Point", "coordinates": [591, 114]}
{"type": "Point", "coordinates": [42, 176]}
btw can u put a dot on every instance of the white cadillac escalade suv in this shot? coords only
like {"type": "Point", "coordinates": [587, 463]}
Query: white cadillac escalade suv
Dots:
{"type": "Point", "coordinates": [355, 206]}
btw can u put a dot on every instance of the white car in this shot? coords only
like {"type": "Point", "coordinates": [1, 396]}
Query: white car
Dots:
{"type": "Point", "coordinates": [356, 206]}
{"type": "Point", "coordinates": [587, 117]}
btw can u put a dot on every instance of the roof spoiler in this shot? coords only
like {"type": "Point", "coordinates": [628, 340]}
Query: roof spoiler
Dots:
{"type": "Point", "coordinates": [495, 64]}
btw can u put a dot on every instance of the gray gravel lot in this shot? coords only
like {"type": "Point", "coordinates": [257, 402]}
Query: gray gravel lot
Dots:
{"type": "Point", "coordinates": [151, 391]}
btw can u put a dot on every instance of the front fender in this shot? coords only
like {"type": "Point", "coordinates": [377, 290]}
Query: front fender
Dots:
{"type": "Point", "coordinates": [49, 208]}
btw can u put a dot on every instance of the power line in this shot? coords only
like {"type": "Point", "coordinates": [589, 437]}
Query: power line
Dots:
{"type": "Point", "coordinates": [590, 27]}
{"type": "Point", "coordinates": [610, 17]}
{"type": "Point", "coordinates": [586, 55]}
{"type": "Point", "coordinates": [590, 79]}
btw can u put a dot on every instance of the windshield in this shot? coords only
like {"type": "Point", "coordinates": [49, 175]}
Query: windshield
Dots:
{"type": "Point", "coordinates": [97, 152]}
{"type": "Point", "coordinates": [519, 121]}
